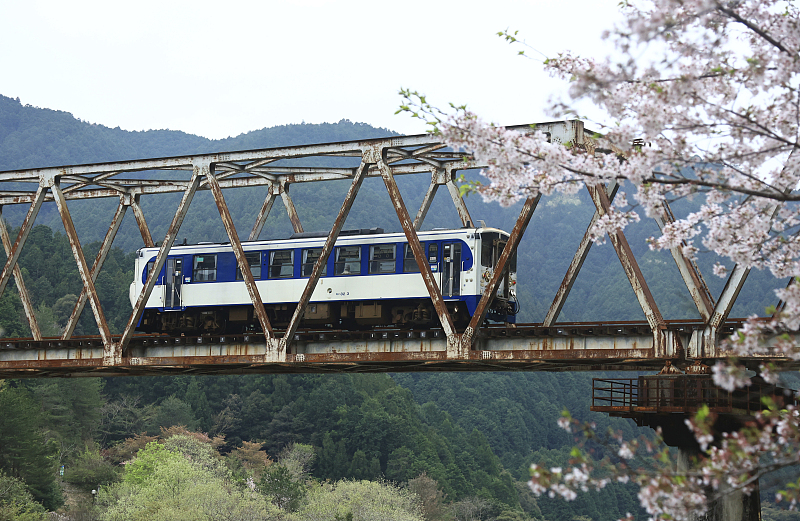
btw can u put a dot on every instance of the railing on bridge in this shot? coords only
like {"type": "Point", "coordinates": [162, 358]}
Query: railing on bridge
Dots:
{"type": "Point", "coordinates": [678, 393]}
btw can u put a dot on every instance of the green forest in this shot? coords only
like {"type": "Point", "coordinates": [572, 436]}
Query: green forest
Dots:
{"type": "Point", "coordinates": [447, 446]}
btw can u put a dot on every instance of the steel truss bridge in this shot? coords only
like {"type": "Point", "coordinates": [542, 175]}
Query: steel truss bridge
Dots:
{"type": "Point", "coordinates": [548, 346]}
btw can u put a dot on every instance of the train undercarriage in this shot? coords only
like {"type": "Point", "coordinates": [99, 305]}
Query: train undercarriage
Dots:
{"type": "Point", "coordinates": [359, 315]}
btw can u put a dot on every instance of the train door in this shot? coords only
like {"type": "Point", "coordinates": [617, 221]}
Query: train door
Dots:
{"type": "Point", "coordinates": [173, 277]}
{"type": "Point", "coordinates": [502, 288]}
{"type": "Point", "coordinates": [451, 269]}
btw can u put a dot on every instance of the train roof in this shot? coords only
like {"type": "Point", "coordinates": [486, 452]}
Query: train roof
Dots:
{"type": "Point", "coordinates": [312, 238]}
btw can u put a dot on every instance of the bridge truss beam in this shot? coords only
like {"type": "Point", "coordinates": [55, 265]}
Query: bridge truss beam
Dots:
{"type": "Point", "coordinates": [276, 170]}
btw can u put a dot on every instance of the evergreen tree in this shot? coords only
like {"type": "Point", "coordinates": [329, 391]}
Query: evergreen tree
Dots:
{"type": "Point", "coordinates": [26, 454]}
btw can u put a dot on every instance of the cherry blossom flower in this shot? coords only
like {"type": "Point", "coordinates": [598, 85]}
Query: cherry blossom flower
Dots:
{"type": "Point", "coordinates": [702, 101]}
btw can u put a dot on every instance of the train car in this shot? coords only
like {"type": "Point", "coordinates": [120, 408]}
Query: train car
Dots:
{"type": "Point", "coordinates": [371, 279]}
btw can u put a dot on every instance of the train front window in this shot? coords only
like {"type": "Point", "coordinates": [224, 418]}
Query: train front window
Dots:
{"type": "Point", "coordinates": [205, 268]}
{"type": "Point", "coordinates": [382, 258]}
{"type": "Point", "coordinates": [409, 262]}
{"type": "Point", "coordinates": [309, 259]}
{"type": "Point", "coordinates": [348, 260]}
{"type": "Point", "coordinates": [281, 264]}
{"type": "Point", "coordinates": [150, 266]}
{"type": "Point", "coordinates": [254, 261]}
{"type": "Point", "coordinates": [487, 249]}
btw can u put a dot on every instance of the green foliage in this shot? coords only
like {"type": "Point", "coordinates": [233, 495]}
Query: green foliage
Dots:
{"type": "Point", "coordinates": [147, 460]}
{"type": "Point", "coordinates": [26, 454]}
{"type": "Point", "coordinates": [16, 503]}
{"type": "Point", "coordinates": [360, 501]}
{"type": "Point", "coordinates": [199, 453]}
{"type": "Point", "coordinates": [90, 470]}
{"type": "Point", "coordinates": [12, 321]}
{"type": "Point", "coordinates": [173, 411]}
{"type": "Point", "coordinates": [123, 417]}
{"type": "Point", "coordinates": [283, 490]}
{"type": "Point", "coordinates": [72, 411]}
{"type": "Point", "coordinates": [167, 485]}
{"type": "Point", "coordinates": [771, 512]}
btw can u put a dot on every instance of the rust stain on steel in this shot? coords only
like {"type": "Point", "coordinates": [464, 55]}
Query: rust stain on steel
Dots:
{"type": "Point", "coordinates": [27, 305]}
{"type": "Point", "coordinates": [576, 264]}
{"type": "Point", "coordinates": [375, 357]}
{"type": "Point", "coordinates": [728, 296]}
{"type": "Point", "coordinates": [398, 154]}
{"type": "Point", "coordinates": [116, 221]}
{"type": "Point", "coordinates": [83, 269]}
{"type": "Point", "coordinates": [458, 201]}
{"type": "Point", "coordinates": [500, 270]}
{"type": "Point", "coordinates": [629, 264]}
{"type": "Point", "coordinates": [188, 361]}
{"type": "Point", "coordinates": [54, 363]}
{"type": "Point", "coordinates": [161, 257]}
{"type": "Point", "coordinates": [426, 203]}
{"type": "Point", "coordinates": [24, 230]}
{"type": "Point", "coordinates": [689, 271]}
{"type": "Point", "coordinates": [144, 230]}
{"type": "Point", "coordinates": [244, 267]}
{"type": "Point", "coordinates": [569, 354]}
{"type": "Point", "coordinates": [290, 209]}
{"type": "Point", "coordinates": [308, 291]}
{"type": "Point", "coordinates": [416, 248]}
{"type": "Point", "coordinates": [261, 218]}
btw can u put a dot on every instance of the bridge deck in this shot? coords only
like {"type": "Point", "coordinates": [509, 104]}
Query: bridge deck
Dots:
{"type": "Point", "coordinates": [526, 347]}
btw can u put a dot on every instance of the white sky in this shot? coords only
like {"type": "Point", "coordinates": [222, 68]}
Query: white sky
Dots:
{"type": "Point", "coordinates": [226, 67]}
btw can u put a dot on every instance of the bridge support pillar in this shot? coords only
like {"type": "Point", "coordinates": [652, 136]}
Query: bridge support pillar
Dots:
{"type": "Point", "coordinates": [666, 400]}
{"type": "Point", "coordinates": [729, 505]}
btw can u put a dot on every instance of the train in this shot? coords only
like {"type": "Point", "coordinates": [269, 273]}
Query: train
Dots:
{"type": "Point", "coordinates": [371, 280]}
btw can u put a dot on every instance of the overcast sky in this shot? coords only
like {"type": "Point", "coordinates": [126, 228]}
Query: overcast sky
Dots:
{"type": "Point", "coordinates": [219, 69]}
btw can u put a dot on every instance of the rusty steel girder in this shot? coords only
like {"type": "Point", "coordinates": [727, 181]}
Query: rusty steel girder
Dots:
{"type": "Point", "coordinates": [27, 304]}
{"type": "Point", "coordinates": [384, 158]}
{"type": "Point", "coordinates": [105, 247]}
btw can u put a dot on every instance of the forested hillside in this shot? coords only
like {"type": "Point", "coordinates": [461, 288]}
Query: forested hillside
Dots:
{"type": "Point", "coordinates": [472, 435]}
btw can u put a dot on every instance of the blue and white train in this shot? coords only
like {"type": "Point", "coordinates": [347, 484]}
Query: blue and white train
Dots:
{"type": "Point", "coordinates": [371, 279]}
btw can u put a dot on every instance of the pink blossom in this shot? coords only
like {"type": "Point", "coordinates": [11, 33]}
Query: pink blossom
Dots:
{"type": "Point", "coordinates": [716, 102]}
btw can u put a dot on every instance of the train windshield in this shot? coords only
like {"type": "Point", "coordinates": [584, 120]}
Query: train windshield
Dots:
{"type": "Point", "coordinates": [492, 244]}
{"type": "Point", "coordinates": [488, 249]}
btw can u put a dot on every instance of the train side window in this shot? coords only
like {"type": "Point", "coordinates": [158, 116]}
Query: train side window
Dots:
{"type": "Point", "coordinates": [310, 257]}
{"type": "Point", "coordinates": [281, 264]}
{"type": "Point", "coordinates": [149, 270]}
{"type": "Point", "coordinates": [409, 262]}
{"type": "Point", "coordinates": [348, 260]}
{"type": "Point", "coordinates": [382, 258]}
{"type": "Point", "coordinates": [254, 261]}
{"type": "Point", "coordinates": [205, 268]}
{"type": "Point", "coordinates": [433, 253]}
